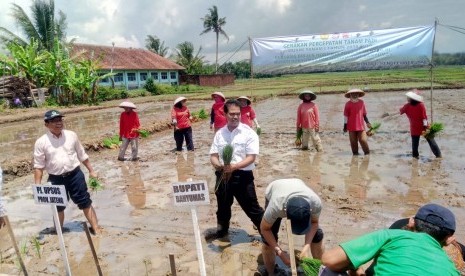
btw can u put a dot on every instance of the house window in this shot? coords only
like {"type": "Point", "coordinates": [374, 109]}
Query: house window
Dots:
{"type": "Point", "coordinates": [131, 76]}
{"type": "Point", "coordinates": [154, 75]}
{"type": "Point", "coordinates": [105, 80]}
{"type": "Point", "coordinates": [143, 76]}
{"type": "Point", "coordinates": [173, 75]}
{"type": "Point", "coordinates": [164, 75]}
{"type": "Point", "coordinates": [119, 77]}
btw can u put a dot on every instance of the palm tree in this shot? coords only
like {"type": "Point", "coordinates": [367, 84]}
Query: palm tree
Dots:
{"type": "Point", "coordinates": [211, 22]}
{"type": "Point", "coordinates": [186, 58]}
{"type": "Point", "coordinates": [41, 27]}
{"type": "Point", "coordinates": [153, 43]}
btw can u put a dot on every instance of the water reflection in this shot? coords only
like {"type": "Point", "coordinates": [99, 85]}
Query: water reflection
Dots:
{"type": "Point", "coordinates": [185, 165]}
{"type": "Point", "coordinates": [135, 188]}
{"type": "Point", "coordinates": [356, 183]}
{"type": "Point", "coordinates": [309, 169]}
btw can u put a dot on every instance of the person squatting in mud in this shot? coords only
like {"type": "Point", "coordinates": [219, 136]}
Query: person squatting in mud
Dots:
{"type": "Point", "coordinates": [355, 117]}
{"type": "Point", "coordinates": [60, 153]}
{"type": "Point", "coordinates": [240, 184]}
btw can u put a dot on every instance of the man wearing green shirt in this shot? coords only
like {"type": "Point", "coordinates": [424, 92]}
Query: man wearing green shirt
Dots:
{"type": "Point", "coordinates": [400, 252]}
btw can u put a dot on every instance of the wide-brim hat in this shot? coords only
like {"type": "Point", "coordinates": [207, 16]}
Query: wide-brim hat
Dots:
{"type": "Point", "coordinates": [219, 94]}
{"type": "Point", "coordinates": [414, 96]}
{"type": "Point", "coordinates": [52, 114]}
{"type": "Point", "coordinates": [355, 90]}
{"type": "Point", "coordinates": [127, 104]}
{"type": "Point", "coordinates": [245, 98]}
{"type": "Point", "coordinates": [298, 211]}
{"type": "Point", "coordinates": [179, 99]}
{"type": "Point", "coordinates": [312, 95]}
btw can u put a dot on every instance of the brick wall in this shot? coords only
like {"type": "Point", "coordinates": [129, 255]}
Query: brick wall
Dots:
{"type": "Point", "coordinates": [208, 80]}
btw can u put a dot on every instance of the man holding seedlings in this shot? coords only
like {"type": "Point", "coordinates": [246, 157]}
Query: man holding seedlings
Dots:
{"type": "Point", "coordinates": [400, 252]}
{"type": "Point", "coordinates": [60, 153]}
{"type": "Point", "coordinates": [294, 200]}
{"type": "Point", "coordinates": [233, 154]}
{"type": "Point", "coordinates": [355, 117]}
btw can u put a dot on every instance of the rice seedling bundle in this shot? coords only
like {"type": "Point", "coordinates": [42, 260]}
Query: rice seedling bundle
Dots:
{"type": "Point", "coordinates": [95, 184]}
{"type": "Point", "coordinates": [374, 127]}
{"type": "Point", "coordinates": [227, 155]}
{"type": "Point", "coordinates": [298, 139]}
{"type": "Point", "coordinates": [143, 133]}
{"type": "Point", "coordinates": [433, 130]}
{"type": "Point", "coordinates": [259, 131]}
{"type": "Point", "coordinates": [310, 266]}
{"type": "Point", "coordinates": [203, 114]}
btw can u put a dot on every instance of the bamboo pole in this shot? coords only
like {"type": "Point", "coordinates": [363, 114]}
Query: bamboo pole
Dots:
{"type": "Point", "coordinates": [13, 240]}
{"type": "Point", "coordinates": [290, 239]}
{"type": "Point", "coordinates": [172, 265]}
{"type": "Point", "coordinates": [92, 248]}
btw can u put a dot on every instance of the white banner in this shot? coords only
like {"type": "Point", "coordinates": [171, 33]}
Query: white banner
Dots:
{"type": "Point", "coordinates": [367, 50]}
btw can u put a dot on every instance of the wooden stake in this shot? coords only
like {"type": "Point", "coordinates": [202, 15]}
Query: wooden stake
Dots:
{"type": "Point", "coordinates": [13, 240]}
{"type": "Point", "coordinates": [92, 248]}
{"type": "Point", "coordinates": [173, 265]}
{"type": "Point", "coordinates": [290, 239]}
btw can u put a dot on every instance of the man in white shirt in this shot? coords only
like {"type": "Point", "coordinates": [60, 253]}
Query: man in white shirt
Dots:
{"type": "Point", "coordinates": [290, 199]}
{"type": "Point", "coordinates": [60, 153]}
{"type": "Point", "coordinates": [240, 184]}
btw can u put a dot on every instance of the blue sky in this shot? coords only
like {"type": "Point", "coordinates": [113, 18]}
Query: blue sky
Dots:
{"type": "Point", "coordinates": [127, 23]}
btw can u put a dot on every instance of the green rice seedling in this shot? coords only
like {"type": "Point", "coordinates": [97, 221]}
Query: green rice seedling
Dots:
{"type": "Point", "coordinates": [298, 139]}
{"type": "Point", "coordinates": [203, 114]}
{"type": "Point", "coordinates": [310, 266]}
{"type": "Point", "coordinates": [37, 247]}
{"type": "Point", "coordinates": [95, 184]}
{"type": "Point", "coordinates": [259, 131]}
{"type": "Point", "coordinates": [374, 127]}
{"type": "Point", "coordinates": [143, 133]}
{"type": "Point", "coordinates": [227, 155]}
{"type": "Point", "coordinates": [433, 130]}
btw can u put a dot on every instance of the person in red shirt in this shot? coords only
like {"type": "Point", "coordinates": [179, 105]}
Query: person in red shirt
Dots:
{"type": "Point", "coordinates": [416, 113]}
{"type": "Point", "coordinates": [308, 119]}
{"type": "Point", "coordinates": [355, 117]}
{"type": "Point", "coordinates": [217, 116]}
{"type": "Point", "coordinates": [128, 131]}
{"type": "Point", "coordinates": [248, 116]}
{"type": "Point", "coordinates": [181, 119]}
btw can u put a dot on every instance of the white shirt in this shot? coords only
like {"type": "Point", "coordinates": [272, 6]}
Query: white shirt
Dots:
{"type": "Point", "coordinates": [243, 139]}
{"type": "Point", "coordinates": [278, 193]}
{"type": "Point", "coordinates": [2, 207]}
{"type": "Point", "coordinates": [58, 155]}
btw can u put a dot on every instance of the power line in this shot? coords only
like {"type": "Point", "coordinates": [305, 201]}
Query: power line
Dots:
{"type": "Point", "coordinates": [454, 28]}
{"type": "Point", "coordinates": [237, 49]}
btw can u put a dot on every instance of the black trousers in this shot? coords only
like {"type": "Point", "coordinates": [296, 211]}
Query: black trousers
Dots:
{"type": "Point", "coordinates": [240, 186]}
{"type": "Point", "coordinates": [431, 142]}
{"type": "Point", "coordinates": [180, 135]}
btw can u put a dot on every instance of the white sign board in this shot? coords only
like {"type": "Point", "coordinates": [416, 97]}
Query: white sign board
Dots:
{"type": "Point", "coordinates": [351, 51]}
{"type": "Point", "coordinates": [191, 193]}
{"type": "Point", "coordinates": [50, 194]}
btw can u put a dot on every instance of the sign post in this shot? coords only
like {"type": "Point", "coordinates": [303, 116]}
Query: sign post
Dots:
{"type": "Point", "coordinates": [191, 194]}
{"type": "Point", "coordinates": [54, 195]}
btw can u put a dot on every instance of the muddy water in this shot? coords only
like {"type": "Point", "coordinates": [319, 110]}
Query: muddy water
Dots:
{"type": "Point", "coordinates": [360, 194]}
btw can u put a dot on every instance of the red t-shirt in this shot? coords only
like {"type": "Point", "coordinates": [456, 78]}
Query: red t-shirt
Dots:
{"type": "Point", "coordinates": [354, 113]}
{"type": "Point", "coordinates": [128, 125]}
{"type": "Point", "coordinates": [416, 114]}
{"type": "Point", "coordinates": [182, 116]}
{"type": "Point", "coordinates": [218, 115]}
{"type": "Point", "coordinates": [308, 116]}
{"type": "Point", "coordinates": [247, 115]}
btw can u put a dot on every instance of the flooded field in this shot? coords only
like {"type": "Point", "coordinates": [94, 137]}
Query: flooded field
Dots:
{"type": "Point", "coordinates": [142, 227]}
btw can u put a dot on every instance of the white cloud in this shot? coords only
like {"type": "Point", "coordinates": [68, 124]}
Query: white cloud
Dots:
{"type": "Point", "coordinates": [279, 6]}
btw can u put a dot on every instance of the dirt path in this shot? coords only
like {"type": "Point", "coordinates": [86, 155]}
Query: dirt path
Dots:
{"type": "Point", "coordinates": [360, 194]}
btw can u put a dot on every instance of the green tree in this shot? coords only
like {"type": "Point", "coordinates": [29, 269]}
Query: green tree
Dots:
{"type": "Point", "coordinates": [185, 57]}
{"type": "Point", "coordinates": [153, 43]}
{"type": "Point", "coordinates": [41, 26]}
{"type": "Point", "coordinates": [211, 22]}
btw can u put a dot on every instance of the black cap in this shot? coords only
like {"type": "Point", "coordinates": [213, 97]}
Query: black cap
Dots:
{"type": "Point", "coordinates": [298, 211]}
{"type": "Point", "coordinates": [437, 215]}
{"type": "Point", "coordinates": [52, 114]}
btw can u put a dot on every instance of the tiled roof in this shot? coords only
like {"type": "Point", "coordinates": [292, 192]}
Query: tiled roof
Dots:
{"type": "Point", "coordinates": [124, 58]}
